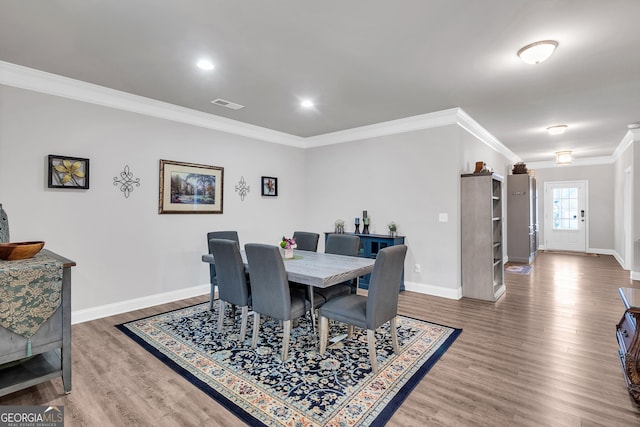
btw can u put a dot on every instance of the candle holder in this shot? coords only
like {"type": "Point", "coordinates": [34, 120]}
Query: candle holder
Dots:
{"type": "Point", "coordinates": [365, 228]}
{"type": "Point", "coordinates": [357, 230]}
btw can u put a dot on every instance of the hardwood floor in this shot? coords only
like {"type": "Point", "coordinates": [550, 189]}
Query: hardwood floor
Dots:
{"type": "Point", "coordinates": [544, 355]}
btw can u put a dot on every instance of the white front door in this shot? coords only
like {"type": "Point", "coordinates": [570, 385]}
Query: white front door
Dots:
{"type": "Point", "coordinates": [565, 216]}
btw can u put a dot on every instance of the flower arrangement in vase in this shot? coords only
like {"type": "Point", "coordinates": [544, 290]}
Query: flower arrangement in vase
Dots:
{"type": "Point", "coordinates": [288, 245]}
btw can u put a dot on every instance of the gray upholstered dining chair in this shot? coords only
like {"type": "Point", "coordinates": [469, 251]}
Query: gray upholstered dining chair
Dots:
{"type": "Point", "coordinates": [340, 244]}
{"type": "Point", "coordinates": [232, 281]}
{"type": "Point", "coordinates": [306, 241]}
{"type": "Point", "coordinates": [228, 235]}
{"type": "Point", "coordinates": [270, 291]}
{"type": "Point", "coordinates": [371, 311]}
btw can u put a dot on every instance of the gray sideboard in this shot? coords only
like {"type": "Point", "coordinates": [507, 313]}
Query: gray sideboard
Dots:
{"type": "Point", "coordinates": [50, 346]}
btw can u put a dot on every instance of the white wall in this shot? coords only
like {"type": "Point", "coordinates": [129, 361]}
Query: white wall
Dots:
{"type": "Point", "coordinates": [622, 164]}
{"type": "Point", "coordinates": [601, 197]}
{"type": "Point", "coordinates": [409, 178]}
{"type": "Point", "coordinates": [123, 248]}
{"type": "Point", "coordinates": [125, 251]}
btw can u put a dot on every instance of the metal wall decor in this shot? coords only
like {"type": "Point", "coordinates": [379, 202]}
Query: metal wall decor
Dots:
{"type": "Point", "coordinates": [126, 181]}
{"type": "Point", "coordinates": [242, 188]}
{"type": "Point", "coordinates": [68, 172]}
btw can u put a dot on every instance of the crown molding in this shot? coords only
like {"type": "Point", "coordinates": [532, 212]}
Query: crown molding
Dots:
{"type": "Point", "coordinates": [590, 161]}
{"type": "Point", "coordinates": [391, 127]}
{"type": "Point", "coordinates": [474, 128]}
{"type": "Point", "coordinates": [628, 139]}
{"type": "Point", "coordinates": [53, 84]}
{"type": "Point", "coordinates": [452, 116]}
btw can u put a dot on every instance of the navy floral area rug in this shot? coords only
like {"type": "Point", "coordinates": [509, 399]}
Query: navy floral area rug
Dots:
{"type": "Point", "coordinates": [337, 388]}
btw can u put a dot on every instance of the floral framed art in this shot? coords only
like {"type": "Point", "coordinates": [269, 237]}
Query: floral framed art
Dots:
{"type": "Point", "coordinates": [68, 172]}
{"type": "Point", "coordinates": [269, 186]}
{"type": "Point", "coordinates": [190, 188]}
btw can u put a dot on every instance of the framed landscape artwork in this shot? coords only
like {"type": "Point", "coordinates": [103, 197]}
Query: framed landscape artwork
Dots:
{"type": "Point", "coordinates": [68, 172]}
{"type": "Point", "coordinates": [269, 186]}
{"type": "Point", "coordinates": [190, 188]}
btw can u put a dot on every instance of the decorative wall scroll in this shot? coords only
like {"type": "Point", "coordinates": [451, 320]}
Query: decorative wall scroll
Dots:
{"type": "Point", "coordinates": [190, 188]}
{"type": "Point", "coordinates": [126, 181]}
{"type": "Point", "coordinates": [242, 188]}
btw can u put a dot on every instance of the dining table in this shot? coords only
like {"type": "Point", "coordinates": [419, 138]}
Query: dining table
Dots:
{"type": "Point", "coordinates": [317, 270]}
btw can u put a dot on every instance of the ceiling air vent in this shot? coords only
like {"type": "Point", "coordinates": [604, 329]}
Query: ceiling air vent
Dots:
{"type": "Point", "coordinates": [227, 104]}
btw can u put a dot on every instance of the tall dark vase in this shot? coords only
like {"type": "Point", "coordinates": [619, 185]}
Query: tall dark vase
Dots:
{"type": "Point", "coordinates": [4, 226]}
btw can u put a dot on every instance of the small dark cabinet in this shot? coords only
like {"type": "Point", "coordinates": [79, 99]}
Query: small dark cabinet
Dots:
{"type": "Point", "coordinates": [370, 245]}
{"type": "Point", "coordinates": [628, 336]}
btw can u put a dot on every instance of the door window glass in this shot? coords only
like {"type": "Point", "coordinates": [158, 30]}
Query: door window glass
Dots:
{"type": "Point", "coordinates": [565, 208]}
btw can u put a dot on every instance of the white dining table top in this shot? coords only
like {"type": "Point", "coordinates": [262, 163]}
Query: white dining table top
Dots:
{"type": "Point", "coordinates": [319, 269]}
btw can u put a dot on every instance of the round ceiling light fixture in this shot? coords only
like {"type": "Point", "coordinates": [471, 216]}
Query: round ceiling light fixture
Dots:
{"type": "Point", "coordinates": [557, 129]}
{"type": "Point", "coordinates": [307, 103]}
{"type": "Point", "coordinates": [205, 64]}
{"type": "Point", "coordinates": [537, 52]}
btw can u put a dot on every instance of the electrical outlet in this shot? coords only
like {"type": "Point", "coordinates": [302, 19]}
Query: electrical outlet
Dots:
{"type": "Point", "coordinates": [417, 268]}
{"type": "Point", "coordinates": [443, 217]}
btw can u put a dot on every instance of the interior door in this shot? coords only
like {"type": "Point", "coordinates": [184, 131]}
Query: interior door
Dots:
{"type": "Point", "coordinates": [565, 216]}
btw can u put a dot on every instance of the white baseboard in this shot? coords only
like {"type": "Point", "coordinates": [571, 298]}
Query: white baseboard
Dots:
{"type": "Point", "coordinates": [635, 275]}
{"type": "Point", "coordinates": [436, 291]}
{"type": "Point", "coordinates": [93, 313]}
{"type": "Point", "coordinates": [601, 251]}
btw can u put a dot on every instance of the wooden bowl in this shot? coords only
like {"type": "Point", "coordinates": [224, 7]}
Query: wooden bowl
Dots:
{"type": "Point", "coordinates": [19, 250]}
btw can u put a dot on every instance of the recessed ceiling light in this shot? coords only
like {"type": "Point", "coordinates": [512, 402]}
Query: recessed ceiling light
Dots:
{"type": "Point", "coordinates": [307, 103]}
{"type": "Point", "coordinates": [205, 64]}
{"type": "Point", "coordinates": [557, 129]}
{"type": "Point", "coordinates": [537, 52]}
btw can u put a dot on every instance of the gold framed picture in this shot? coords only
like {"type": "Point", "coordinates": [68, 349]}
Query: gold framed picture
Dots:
{"type": "Point", "coordinates": [190, 188]}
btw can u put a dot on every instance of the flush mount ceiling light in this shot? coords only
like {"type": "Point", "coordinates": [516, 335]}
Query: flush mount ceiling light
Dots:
{"type": "Point", "coordinates": [537, 52]}
{"type": "Point", "coordinates": [563, 157]}
{"type": "Point", "coordinates": [557, 129]}
{"type": "Point", "coordinates": [307, 103]}
{"type": "Point", "coordinates": [205, 64]}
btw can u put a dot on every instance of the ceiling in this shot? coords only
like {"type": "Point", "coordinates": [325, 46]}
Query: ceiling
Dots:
{"type": "Point", "coordinates": [361, 61]}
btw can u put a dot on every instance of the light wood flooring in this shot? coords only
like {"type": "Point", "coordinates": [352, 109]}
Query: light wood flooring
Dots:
{"type": "Point", "coordinates": [544, 355]}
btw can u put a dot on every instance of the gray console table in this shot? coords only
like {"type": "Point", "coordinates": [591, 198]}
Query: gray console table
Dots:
{"type": "Point", "coordinates": [50, 346]}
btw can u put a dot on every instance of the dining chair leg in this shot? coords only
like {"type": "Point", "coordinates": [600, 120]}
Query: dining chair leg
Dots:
{"type": "Point", "coordinates": [394, 334]}
{"type": "Point", "coordinates": [212, 298]}
{"type": "Point", "coordinates": [256, 329]}
{"type": "Point", "coordinates": [371, 340]}
{"type": "Point", "coordinates": [243, 322]}
{"type": "Point", "coordinates": [221, 307]}
{"type": "Point", "coordinates": [349, 331]}
{"type": "Point", "coordinates": [286, 334]}
{"type": "Point", "coordinates": [324, 333]}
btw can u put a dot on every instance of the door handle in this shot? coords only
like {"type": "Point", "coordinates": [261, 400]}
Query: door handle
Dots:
{"type": "Point", "coordinates": [582, 215]}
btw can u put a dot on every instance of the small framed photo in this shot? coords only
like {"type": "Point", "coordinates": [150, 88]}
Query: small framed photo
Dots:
{"type": "Point", "coordinates": [68, 172]}
{"type": "Point", "coordinates": [269, 186]}
{"type": "Point", "coordinates": [190, 188]}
